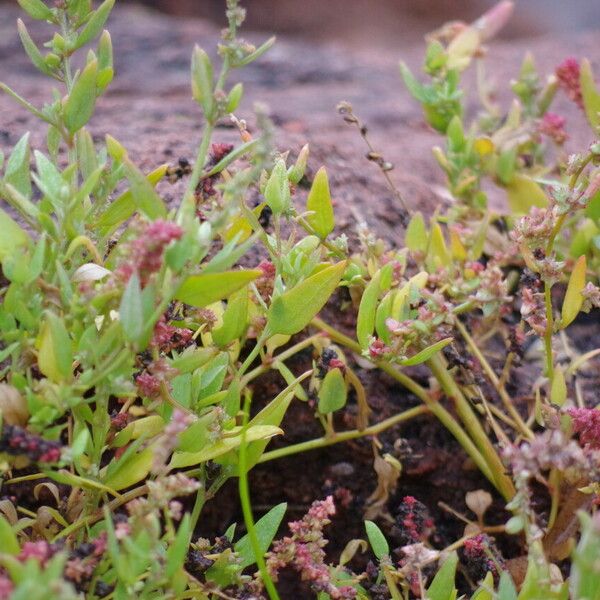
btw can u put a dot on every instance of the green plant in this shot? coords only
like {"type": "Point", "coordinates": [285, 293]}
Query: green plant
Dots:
{"type": "Point", "coordinates": [131, 337]}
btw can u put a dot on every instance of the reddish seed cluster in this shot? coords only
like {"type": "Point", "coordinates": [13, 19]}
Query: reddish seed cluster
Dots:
{"type": "Point", "coordinates": [413, 521]}
{"type": "Point", "coordinates": [166, 337]}
{"type": "Point", "coordinates": [82, 562]}
{"type": "Point", "coordinates": [303, 551]}
{"type": "Point", "coordinates": [586, 424]}
{"type": "Point", "coordinates": [482, 556]}
{"type": "Point", "coordinates": [568, 78]}
{"type": "Point", "coordinates": [146, 252]}
{"type": "Point", "coordinates": [378, 349]}
{"type": "Point", "coordinates": [149, 382]}
{"type": "Point", "coordinates": [553, 126]}
{"type": "Point", "coordinates": [17, 441]}
{"type": "Point", "coordinates": [264, 284]}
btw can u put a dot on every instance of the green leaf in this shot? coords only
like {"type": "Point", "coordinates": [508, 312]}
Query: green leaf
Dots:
{"type": "Point", "coordinates": [266, 529]}
{"type": "Point", "coordinates": [558, 389]}
{"type": "Point", "coordinates": [32, 50]}
{"type": "Point", "coordinates": [277, 190]}
{"type": "Point", "coordinates": [292, 311]}
{"type": "Point", "coordinates": [591, 97]}
{"type": "Point", "coordinates": [442, 587]}
{"type": "Point", "coordinates": [236, 153]}
{"type": "Point", "coordinates": [417, 89]}
{"type": "Point", "coordinates": [124, 206]}
{"type": "Point", "coordinates": [573, 298]}
{"type": "Point", "coordinates": [506, 587]}
{"type": "Point", "coordinates": [377, 540]}
{"type": "Point", "coordinates": [202, 81]}
{"type": "Point", "coordinates": [81, 102]}
{"type": "Point", "coordinates": [224, 445]}
{"type": "Point", "coordinates": [365, 321]}
{"type": "Point", "coordinates": [523, 193]}
{"type": "Point", "coordinates": [12, 237]}
{"type": "Point", "coordinates": [235, 319]}
{"type": "Point", "coordinates": [333, 392]}
{"type": "Point", "coordinates": [426, 353]}
{"type": "Point", "coordinates": [438, 254]}
{"type": "Point", "coordinates": [131, 312]}
{"type": "Point", "coordinates": [178, 549]}
{"type": "Point", "coordinates": [95, 24]}
{"type": "Point", "coordinates": [17, 167]}
{"type": "Point", "coordinates": [234, 97]}
{"type": "Point", "coordinates": [36, 9]}
{"type": "Point", "coordinates": [486, 589]}
{"type": "Point", "coordinates": [206, 288]}
{"type": "Point", "coordinates": [416, 238]}
{"type": "Point", "coordinates": [318, 202]}
{"type": "Point", "coordinates": [143, 192]}
{"type": "Point", "coordinates": [8, 538]}
{"type": "Point", "coordinates": [130, 469]}
{"type": "Point", "coordinates": [264, 47]}
{"type": "Point", "coordinates": [55, 356]}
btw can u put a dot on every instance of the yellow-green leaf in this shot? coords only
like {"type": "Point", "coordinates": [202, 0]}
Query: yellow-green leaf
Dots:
{"type": "Point", "coordinates": [558, 389]}
{"type": "Point", "coordinates": [206, 288]}
{"type": "Point", "coordinates": [235, 319]}
{"type": "Point", "coordinates": [438, 254]}
{"type": "Point", "coordinates": [523, 193]}
{"type": "Point", "coordinates": [55, 356]}
{"type": "Point", "coordinates": [292, 311]}
{"type": "Point", "coordinates": [416, 237]}
{"type": "Point", "coordinates": [133, 470]}
{"type": "Point", "coordinates": [12, 236]}
{"type": "Point", "coordinates": [591, 97]}
{"type": "Point", "coordinates": [573, 298]}
{"type": "Point", "coordinates": [365, 321]}
{"type": "Point", "coordinates": [318, 202]}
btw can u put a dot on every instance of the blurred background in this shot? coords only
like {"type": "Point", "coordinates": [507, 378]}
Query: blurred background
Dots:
{"type": "Point", "coordinates": [383, 22]}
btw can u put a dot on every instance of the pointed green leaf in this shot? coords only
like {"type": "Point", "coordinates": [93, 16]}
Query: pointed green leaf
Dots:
{"type": "Point", "coordinates": [438, 254]}
{"type": "Point", "coordinates": [81, 102]}
{"type": "Point", "coordinates": [178, 549]}
{"type": "Point", "coordinates": [95, 24]}
{"type": "Point", "coordinates": [416, 237]}
{"type": "Point", "coordinates": [365, 321]}
{"type": "Point", "coordinates": [442, 587]}
{"type": "Point", "coordinates": [8, 538]}
{"type": "Point", "coordinates": [202, 81]}
{"type": "Point", "coordinates": [426, 353]}
{"type": "Point", "coordinates": [277, 190]}
{"type": "Point", "coordinates": [266, 529]}
{"type": "Point", "coordinates": [55, 357]}
{"type": "Point", "coordinates": [318, 202]}
{"type": "Point", "coordinates": [143, 192]}
{"type": "Point", "coordinates": [235, 319]}
{"type": "Point", "coordinates": [32, 50]}
{"type": "Point", "coordinates": [12, 236]}
{"type": "Point", "coordinates": [206, 288]}
{"type": "Point", "coordinates": [17, 167]}
{"type": "Point", "coordinates": [292, 311]}
{"type": "Point", "coordinates": [591, 97]}
{"type": "Point", "coordinates": [130, 469]}
{"type": "Point", "coordinates": [377, 540]}
{"type": "Point", "coordinates": [36, 9]}
{"type": "Point", "coordinates": [558, 389]}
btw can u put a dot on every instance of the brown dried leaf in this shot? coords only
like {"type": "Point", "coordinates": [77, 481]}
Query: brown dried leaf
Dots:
{"type": "Point", "coordinates": [478, 501]}
{"type": "Point", "coordinates": [388, 471]}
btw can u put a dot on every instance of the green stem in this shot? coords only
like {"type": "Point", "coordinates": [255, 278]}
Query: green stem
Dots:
{"type": "Point", "coordinates": [246, 503]}
{"type": "Point", "coordinates": [522, 426]}
{"type": "Point", "coordinates": [472, 425]}
{"type": "Point", "coordinates": [344, 436]}
{"type": "Point", "coordinates": [447, 420]}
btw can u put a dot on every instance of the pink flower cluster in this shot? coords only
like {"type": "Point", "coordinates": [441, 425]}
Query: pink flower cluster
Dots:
{"type": "Point", "coordinates": [553, 126]}
{"type": "Point", "coordinates": [568, 78]}
{"type": "Point", "coordinates": [149, 382]}
{"type": "Point", "coordinates": [166, 337]}
{"type": "Point", "coordinates": [303, 551]}
{"type": "Point", "coordinates": [145, 253]}
{"type": "Point", "coordinates": [586, 424]}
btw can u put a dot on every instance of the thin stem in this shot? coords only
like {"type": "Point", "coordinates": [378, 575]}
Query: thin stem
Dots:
{"type": "Point", "coordinates": [506, 400]}
{"type": "Point", "coordinates": [473, 426]}
{"type": "Point", "coordinates": [447, 420]}
{"type": "Point", "coordinates": [548, 332]}
{"type": "Point", "coordinates": [344, 436]}
{"type": "Point", "coordinates": [246, 503]}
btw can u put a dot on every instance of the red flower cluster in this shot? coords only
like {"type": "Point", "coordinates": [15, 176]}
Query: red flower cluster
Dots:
{"type": "Point", "coordinates": [146, 252]}
{"type": "Point", "coordinates": [217, 153]}
{"type": "Point", "coordinates": [586, 424]}
{"type": "Point", "coordinates": [482, 556]}
{"type": "Point", "coordinates": [553, 126]}
{"type": "Point", "coordinates": [17, 441]}
{"type": "Point", "coordinates": [568, 78]}
{"type": "Point", "coordinates": [149, 381]}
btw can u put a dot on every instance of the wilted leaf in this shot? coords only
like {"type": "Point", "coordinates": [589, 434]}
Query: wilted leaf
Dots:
{"type": "Point", "coordinates": [478, 501]}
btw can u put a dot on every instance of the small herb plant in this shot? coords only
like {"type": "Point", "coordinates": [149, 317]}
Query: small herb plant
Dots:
{"type": "Point", "coordinates": [131, 337]}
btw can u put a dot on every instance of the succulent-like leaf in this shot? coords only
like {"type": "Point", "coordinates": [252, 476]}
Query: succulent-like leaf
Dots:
{"type": "Point", "coordinates": [321, 219]}
{"type": "Point", "coordinates": [206, 288]}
